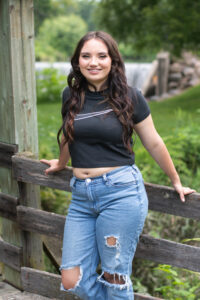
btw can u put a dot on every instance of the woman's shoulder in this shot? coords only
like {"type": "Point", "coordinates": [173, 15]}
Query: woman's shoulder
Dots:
{"type": "Point", "coordinates": [65, 94]}
{"type": "Point", "coordinates": [135, 94]}
{"type": "Point", "coordinates": [141, 107]}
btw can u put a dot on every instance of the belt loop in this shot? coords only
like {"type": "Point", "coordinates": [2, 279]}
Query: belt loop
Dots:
{"type": "Point", "coordinates": [134, 168]}
{"type": "Point", "coordinates": [72, 181]}
{"type": "Point", "coordinates": [105, 177]}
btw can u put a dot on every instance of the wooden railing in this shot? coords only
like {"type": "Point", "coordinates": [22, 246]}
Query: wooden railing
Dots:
{"type": "Point", "coordinates": [161, 198]}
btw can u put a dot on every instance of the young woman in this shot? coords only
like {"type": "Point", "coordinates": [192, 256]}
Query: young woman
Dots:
{"type": "Point", "coordinates": [109, 203]}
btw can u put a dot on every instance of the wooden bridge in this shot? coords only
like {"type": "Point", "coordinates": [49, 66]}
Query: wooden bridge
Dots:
{"type": "Point", "coordinates": [24, 228]}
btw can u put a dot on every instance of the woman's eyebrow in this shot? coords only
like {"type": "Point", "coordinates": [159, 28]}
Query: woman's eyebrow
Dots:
{"type": "Point", "coordinates": [97, 53]}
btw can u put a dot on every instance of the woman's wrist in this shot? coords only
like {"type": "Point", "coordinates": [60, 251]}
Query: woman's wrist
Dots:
{"type": "Point", "coordinates": [175, 179]}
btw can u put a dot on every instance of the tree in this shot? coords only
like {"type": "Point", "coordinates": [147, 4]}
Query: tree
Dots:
{"type": "Point", "coordinates": [153, 24]}
{"type": "Point", "coordinates": [58, 37]}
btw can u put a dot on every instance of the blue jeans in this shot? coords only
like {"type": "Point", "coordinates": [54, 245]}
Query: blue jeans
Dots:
{"type": "Point", "coordinates": [111, 207]}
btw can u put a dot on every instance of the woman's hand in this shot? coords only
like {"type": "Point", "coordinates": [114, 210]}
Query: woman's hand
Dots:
{"type": "Point", "coordinates": [182, 191]}
{"type": "Point", "coordinates": [54, 165]}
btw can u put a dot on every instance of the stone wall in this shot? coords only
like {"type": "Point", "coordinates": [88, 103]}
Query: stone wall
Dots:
{"type": "Point", "coordinates": [183, 73]}
{"type": "Point", "coordinates": [179, 74]}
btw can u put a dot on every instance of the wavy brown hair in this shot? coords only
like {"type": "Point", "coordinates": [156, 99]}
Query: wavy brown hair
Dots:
{"type": "Point", "coordinates": [116, 92]}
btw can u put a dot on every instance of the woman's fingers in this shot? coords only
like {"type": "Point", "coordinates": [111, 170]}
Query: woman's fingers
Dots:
{"type": "Point", "coordinates": [45, 161]}
{"type": "Point", "coordinates": [182, 191]}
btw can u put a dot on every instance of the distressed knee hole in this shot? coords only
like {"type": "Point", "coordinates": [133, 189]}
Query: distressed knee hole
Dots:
{"type": "Point", "coordinates": [114, 278]}
{"type": "Point", "coordinates": [111, 241]}
{"type": "Point", "coordinates": [71, 277]}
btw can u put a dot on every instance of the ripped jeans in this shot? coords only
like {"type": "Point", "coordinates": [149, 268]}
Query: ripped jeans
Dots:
{"type": "Point", "coordinates": [104, 222]}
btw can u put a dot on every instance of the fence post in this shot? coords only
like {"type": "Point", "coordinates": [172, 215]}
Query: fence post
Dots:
{"type": "Point", "coordinates": [18, 119]}
{"type": "Point", "coordinates": [163, 71]}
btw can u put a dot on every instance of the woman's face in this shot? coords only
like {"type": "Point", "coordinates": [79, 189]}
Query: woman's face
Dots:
{"type": "Point", "coordinates": [95, 62]}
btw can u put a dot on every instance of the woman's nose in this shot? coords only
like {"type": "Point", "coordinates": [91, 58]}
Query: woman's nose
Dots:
{"type": "Point", "coordinates": [93, 61]}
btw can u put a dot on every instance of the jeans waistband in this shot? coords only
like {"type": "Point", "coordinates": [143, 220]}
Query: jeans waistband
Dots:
{"type": "Point", "coordinates": [105, 176]}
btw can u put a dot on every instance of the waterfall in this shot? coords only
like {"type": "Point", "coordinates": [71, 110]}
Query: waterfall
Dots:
{"type": "Point", "coordinates": [136, 73]}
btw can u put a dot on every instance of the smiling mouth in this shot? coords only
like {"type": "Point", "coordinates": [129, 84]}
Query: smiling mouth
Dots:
{"type": "Point", "coordinates": [94, 71]}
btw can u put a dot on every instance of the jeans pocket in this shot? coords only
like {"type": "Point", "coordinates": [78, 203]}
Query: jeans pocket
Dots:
{"type": "Point", "coordinates": [124, 180]}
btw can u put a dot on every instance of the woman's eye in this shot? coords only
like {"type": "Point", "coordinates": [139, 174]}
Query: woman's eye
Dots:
{"type": "Point", "coordinates": [85, 56]}
{"type": "Point", "coordinates": [102, 56]}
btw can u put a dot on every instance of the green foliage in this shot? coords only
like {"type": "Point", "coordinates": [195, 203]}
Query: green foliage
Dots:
{"type": "Point", "coordinates": [58, 37]}
{"type": "Point", "coordinates": [55, 200]}
{"type": "Point", "coordinates": [49, 85]}
{"type": "Point", "coordinates": [184, 147]}
{"type": "Point", "coordinates": [175, 288]}
{"type": "Point", "coordinates": [153, 24]}
{"type": "Point", "coordinates": [50, 8]}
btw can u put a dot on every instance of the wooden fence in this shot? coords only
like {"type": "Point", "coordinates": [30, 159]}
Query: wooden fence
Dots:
{"type": "Point", "coordinates": [25, 170]}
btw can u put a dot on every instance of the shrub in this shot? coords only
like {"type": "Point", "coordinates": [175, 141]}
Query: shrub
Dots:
{"type": "Point", "coordinates": [49, 85]}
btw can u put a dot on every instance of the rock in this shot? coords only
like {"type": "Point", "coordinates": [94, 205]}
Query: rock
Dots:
{"type": "Point", "coordinates": [175, 77]}
{"type": "Point", "coordinates": [175, 68]}
{"type": "Point", "coordinates": [197, 71]}
{"type": "Point", "coordinates": [154, 98]}
{"type": "Point", "coordinates": [174, 91]}
{"type": "Point", "coordinates": [184, 82]}
{"type": "Point", "coordinates": [172, 85]}
{"type": "Point", "coordinates": [194, 81]}
{"type": "Point", "coordinates": [187, 71]}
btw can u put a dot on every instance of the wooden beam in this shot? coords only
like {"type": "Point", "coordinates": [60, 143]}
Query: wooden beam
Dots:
{"type": "Point", "coordinates": [163, 71]}
{"type": "Point", "coordinates": [165, 199]}
{"type": "Point", "coordinates": [43, 222]}
{"type": "Point", "coordinates": [6, 153]}
{"type": "Point", "coordinates": [145, 297]}
{"type": "Point", "coordinates": [8, 206]}
{"type": "Point", "coordinates": [161, 198]}
{"type": "Point", "coordinates": [158, 250]}
{"type": "Point", "coordinates": [32, 171]}
{"type": "Point", "coordinates": [10, 255]}
{"type": "Point", "coordinates": [48, 285]}
{"type": "Point", "coordinates": [18, 118]}
{"type": "Point", "coordinates": [168, 252]}
{"type": "Point", "coordinates": [43, 283]}
{"type": "Point", "coordinates": [53, 248]}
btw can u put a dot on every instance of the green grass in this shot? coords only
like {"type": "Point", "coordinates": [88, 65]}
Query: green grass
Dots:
{"type": "Point", "coordinates": [168, 116]}
{"type": "Point", "coordinates": [49, 121]}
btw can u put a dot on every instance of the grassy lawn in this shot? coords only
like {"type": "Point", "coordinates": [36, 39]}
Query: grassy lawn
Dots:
{"type": "Point", "coordinates": [177, 111]}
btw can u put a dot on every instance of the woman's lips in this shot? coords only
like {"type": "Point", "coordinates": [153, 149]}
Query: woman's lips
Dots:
{"type": "Point", "coordinates": [94, 71]}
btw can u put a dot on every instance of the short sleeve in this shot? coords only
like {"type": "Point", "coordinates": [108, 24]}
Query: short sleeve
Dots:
{"type": "Point", "coordinates": [141, 108]}
{"type": "Point", "coordinates": [65, 94]}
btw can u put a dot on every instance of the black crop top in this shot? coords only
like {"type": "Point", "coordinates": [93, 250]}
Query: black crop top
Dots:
{"type": "Point", "coordinates": [98, 132]}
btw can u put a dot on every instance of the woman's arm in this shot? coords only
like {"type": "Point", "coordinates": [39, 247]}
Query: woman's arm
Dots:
{"type": "Point", "coordinates": [58, 164]}
{"type": "Point", "coordinates": [156, 147]}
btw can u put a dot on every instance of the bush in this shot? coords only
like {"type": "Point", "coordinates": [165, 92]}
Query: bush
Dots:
{"type": "Point", "coordinates": [184, 148]}
{"type": "Point", "coordinates": [49, 85]}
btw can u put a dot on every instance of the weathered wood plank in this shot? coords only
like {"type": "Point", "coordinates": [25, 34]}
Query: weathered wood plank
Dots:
{"type": "Point", "coordinates": [161, 198]}
{"type": "Point", "coordinates": [18, 115]}
{"type": "Point", "coordinates": [43, 222]}
{"type": "Point", "coordinates": [48, 284]}
{"type": "Point", "coordinates": [44, 283]}
{"type": "Point", "coordinates": [6, 152]}
{"type": "Point", "coordinates": [145, 297]}
{"type": "Point", "coordinates": [158, 250]}
{"type": "Point", "coordinates": [168, 252]}
{"type": "Point", "coordinates": [165, 199]}
{"type": "Point", "coordinates": [163, 70]}
{"type": "Point", "coordinates": [53, 248]}
{"type": "Point", "coordinates": [29, 170]}
{"type": "Point", "coordinates": [10, 255]}
{"type": "Point", "coordinates": [8, 206]}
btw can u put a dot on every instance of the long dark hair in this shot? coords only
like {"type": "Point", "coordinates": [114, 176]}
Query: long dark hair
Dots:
{"type": "Point", "coordinates": [117, 90]}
